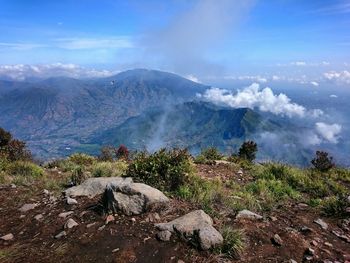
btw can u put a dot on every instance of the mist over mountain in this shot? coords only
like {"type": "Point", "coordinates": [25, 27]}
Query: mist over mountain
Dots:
{"type": "Point", "coordinates": [148, 109]}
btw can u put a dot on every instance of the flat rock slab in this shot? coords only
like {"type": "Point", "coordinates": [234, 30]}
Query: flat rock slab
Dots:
{"type": "Point", "coordinates": [246, 214]}
{"type": "Point", "coordinates": [95, 186]}
{"type": "Point", "coordinates": [28, 207]}
{"type": "Point", "coordinates": [195, 227]}
{"type": "Point", "coordinates": [132, 199]}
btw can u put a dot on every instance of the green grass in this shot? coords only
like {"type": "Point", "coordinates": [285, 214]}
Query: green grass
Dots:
{"type": "Point", "coordinates": [109, 169]}
{"type": "Point", "coordinates": [24, 169]}
{"type": "Point", "coordinates": [233, 244]}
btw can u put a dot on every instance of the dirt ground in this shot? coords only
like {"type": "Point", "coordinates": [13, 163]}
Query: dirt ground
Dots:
{"type": "Point", "coordinates": [128, 240]}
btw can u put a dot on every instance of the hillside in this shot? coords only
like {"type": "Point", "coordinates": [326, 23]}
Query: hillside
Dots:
{"type": "Point", "coordinates": [60, 113]}
{"type": "Point", "coordinates": [195, 125]}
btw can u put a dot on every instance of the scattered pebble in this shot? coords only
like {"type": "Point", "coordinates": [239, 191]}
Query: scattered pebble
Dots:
{"type": "Point", "coordinates": [7, 237]}
{"type": "Point", "coordinates": [90, 225]}
{"type": "Point", "coordinates": [321, 223]}
{"type": "Point", "coordinates": [13, 186]}
{"type": "Point", "coordinates": [61, 234]}
{"type": "Point", "coordinates": [65, 214]}
{"type": "Point", "coordinates": [328, 244]}
{"type": "Point", "coordinates": [164, 235]}
{"type": "Point", "coordinates": [277, 240]}
{"type": "Point", "coordinates": [28, 207]}
{"type": "Point", "coordinates": [70, 224]}
{"type": "Point", "coordinates": [314, 243]}
{"type": "Point", "coordinates": [46, 192]}
{"type": "Point", "coordinates": [39, 217]}
{"type": "Point", "coordinates": [101, 228]}
{"type": "Point", "coordinates": [71, 201]}
{"type": "Point", "coordinates": [115, 250]}
{"type": "Point", "coordinates": [109, 218]}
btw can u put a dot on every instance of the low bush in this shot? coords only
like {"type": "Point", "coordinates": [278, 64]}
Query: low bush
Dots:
{"type": "Point", "coordinates": [209, 155]}
{"type": "Point", "coordinates": [335, 206]}
{"type": "Point", "coordinates": [81, 159]}
{"type": "Point", "coordinates": [24, 169]}
{"type": "Point", "coordinates": [323, 162]}
{"type": "Point", "coordinates": [109, 169]}
{"type": "Point", "coordinates": [78, 175]}
{"type": "Point", "coordinates": [165, 169]}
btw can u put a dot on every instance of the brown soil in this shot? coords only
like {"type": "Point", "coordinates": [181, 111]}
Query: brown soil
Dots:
{"type": "Point", "coordinates": [127, 241]}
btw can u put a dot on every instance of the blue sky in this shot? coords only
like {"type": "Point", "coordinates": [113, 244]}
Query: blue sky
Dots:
{"type": "Point", "coordinates": [203, 38]}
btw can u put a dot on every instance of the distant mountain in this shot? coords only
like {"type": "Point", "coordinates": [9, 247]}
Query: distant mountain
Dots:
{"type": "Point", "coordinates": [60, 113]}
{"type": "Point", "coordinates": [194, 125]}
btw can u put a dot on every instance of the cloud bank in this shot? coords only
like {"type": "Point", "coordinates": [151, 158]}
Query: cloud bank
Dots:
{"type": "Point", "coordinates": [22, 72]}
{"type": "Point", "coordinates": [339, 77]}
{"type": "Point", "coordinates": [254, 97]}
{"type": "Point", "coordinates": [329, 132]}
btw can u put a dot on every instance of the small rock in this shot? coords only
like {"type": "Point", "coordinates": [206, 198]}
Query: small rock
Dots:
{"type": "Point", "coordinates": [22, 216]}
{"type": "Point", "coordinates": [61, 234]}
{"type": "Point", "coordinates": [28, 207]}
{"type": "Point", "coordinates": [13, 186]}
{"type": "Point", "coordinates": [314, 243]}
{"type": "Point", "coordinates": [292, 261]}
{"type": "Point", "coordinates": [71, 201]}
{"type": "Point", "coordinates": [328, 244]}
{"type": "Point", "coordinates": [70, 224]}
{"type": "Point", "coordinates": [101, 228]}
{"type": "Point", "coordinates": [310, 251]}
{"type": "Point", "coordinates": [180, 261]}
{"type": "Point", "coordinates": [321, 223]}
{"type": "Point", "coordinates": [277, 240]}
{"type": "Point", "coordinates": [302, 206]}
{"type": "Point", "coordinates": [39, 217]}
{"type": "Point", "coordinates": [7, 237]}
{"type": "Point", "coordinates": [52, 199]}
{"type": "Point", "coordinates": [90, 225]}
{"type": "Point", "coordinates": [153, 217]}
{"type": "Point", "coordinates": [115, 250]}
{"type": "Point", "coordinates": [65, 214]}
{"type": "Point", "coordinates": [133, 220]}
{"type": "Point", "coordinates": [46, 192]}
{"type": "Point", "coordinates": [246, 214]}
{"type": "Point", "coordinates": [305, 230]}
{"type": "Point", "coordinates": [109, 218]}
{"type": "Point", "coordinates": [273, 218]}
{"type": "Point", "coordinates": [164, 235]}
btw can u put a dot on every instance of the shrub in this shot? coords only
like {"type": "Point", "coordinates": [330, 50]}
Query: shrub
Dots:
{"type": "Point", "coordinates": [5, 137]}
{"type": "Point", "coordinates": [164, 169]}
{"type": "Point", "coordinates": [233, 244]}
{"type": "Point", "coordinates": [81, 159]}
{"type": "Point", "coordinates": [24, 169]}
{"type": "Point", "coordinates": [78, 175]}
{"type": "Point", "coordinates": [109, 169]}
{"type": "Point", "coordinates": [211, 154]}
{"type": "Point", "coordinates": [248, 150]}
{"type": "Point", "coordinates": [322, 161]}
{"type": "Point", "coordinates": [122, 152]}
{"type": "Point", "coordinates": [335, 206]}
{"type": "Point", "coordinates": [106, 154]}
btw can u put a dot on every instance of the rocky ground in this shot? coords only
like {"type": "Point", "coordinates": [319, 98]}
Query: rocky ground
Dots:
{"type": "Point", "coordinates": [40, 226]}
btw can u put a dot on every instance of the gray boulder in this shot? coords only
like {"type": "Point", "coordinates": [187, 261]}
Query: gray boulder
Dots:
{"type": "Point", "coordinates": [132, 199]}
{"type": "Point", "coordinates": [195, 227]}
{"type": "Point", "coordinates": [246, 214]}
{"type": "Point", "coordinates": [95, 186]}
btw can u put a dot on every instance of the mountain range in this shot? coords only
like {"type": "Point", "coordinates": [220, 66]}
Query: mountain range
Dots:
{"type": "Point", "coordinates": [143, 109]}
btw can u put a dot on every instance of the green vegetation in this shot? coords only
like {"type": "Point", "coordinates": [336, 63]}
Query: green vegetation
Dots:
{"type": "Point", "coordinates": [248, 151]}
{"type": "Point", "coordinates": [165, 169]}
{"type": "Point", "coordinates": [108, 169]}
{"type": "Point", "coordinates": [24, 169]}
{"type": "Point", "coordinates": [81, 159]}
{"type": "Point", "coordinates": [322, 161]}
{"type": "Point", "coordinates": [209, 156]}
{"type": "Point", "coordinates": [335, 206]}
{"type": "Point", "coordinates": [233, 244]}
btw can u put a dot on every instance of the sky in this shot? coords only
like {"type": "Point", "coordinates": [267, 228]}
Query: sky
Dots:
{"type": "Point", "coordinates": [201, 39]}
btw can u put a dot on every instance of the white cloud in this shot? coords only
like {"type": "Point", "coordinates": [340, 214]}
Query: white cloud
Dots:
{"type": "Point", "coordinates": [298, 63]}
{"type": "Point", "coordinates": [254, 97]}
{"type": "Point", "coordinates": [94, 43]}
{"type": "Point", "coordinates": [192, 78]}
{"type": "Point", "coordinates": [257, 78]}
{"type": "Point", "coordinates": [340, 77]}
{"type": "Point", "coordinates": [21, 71]}
{"type": "Point", "coordinates": [20, 46]}
{"type": "Point", "coordinates": [333, 96]}
{"type": "Point", "coordinates": [314, 83]}
{"type": "Point", "coordinates": [329, 132]}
